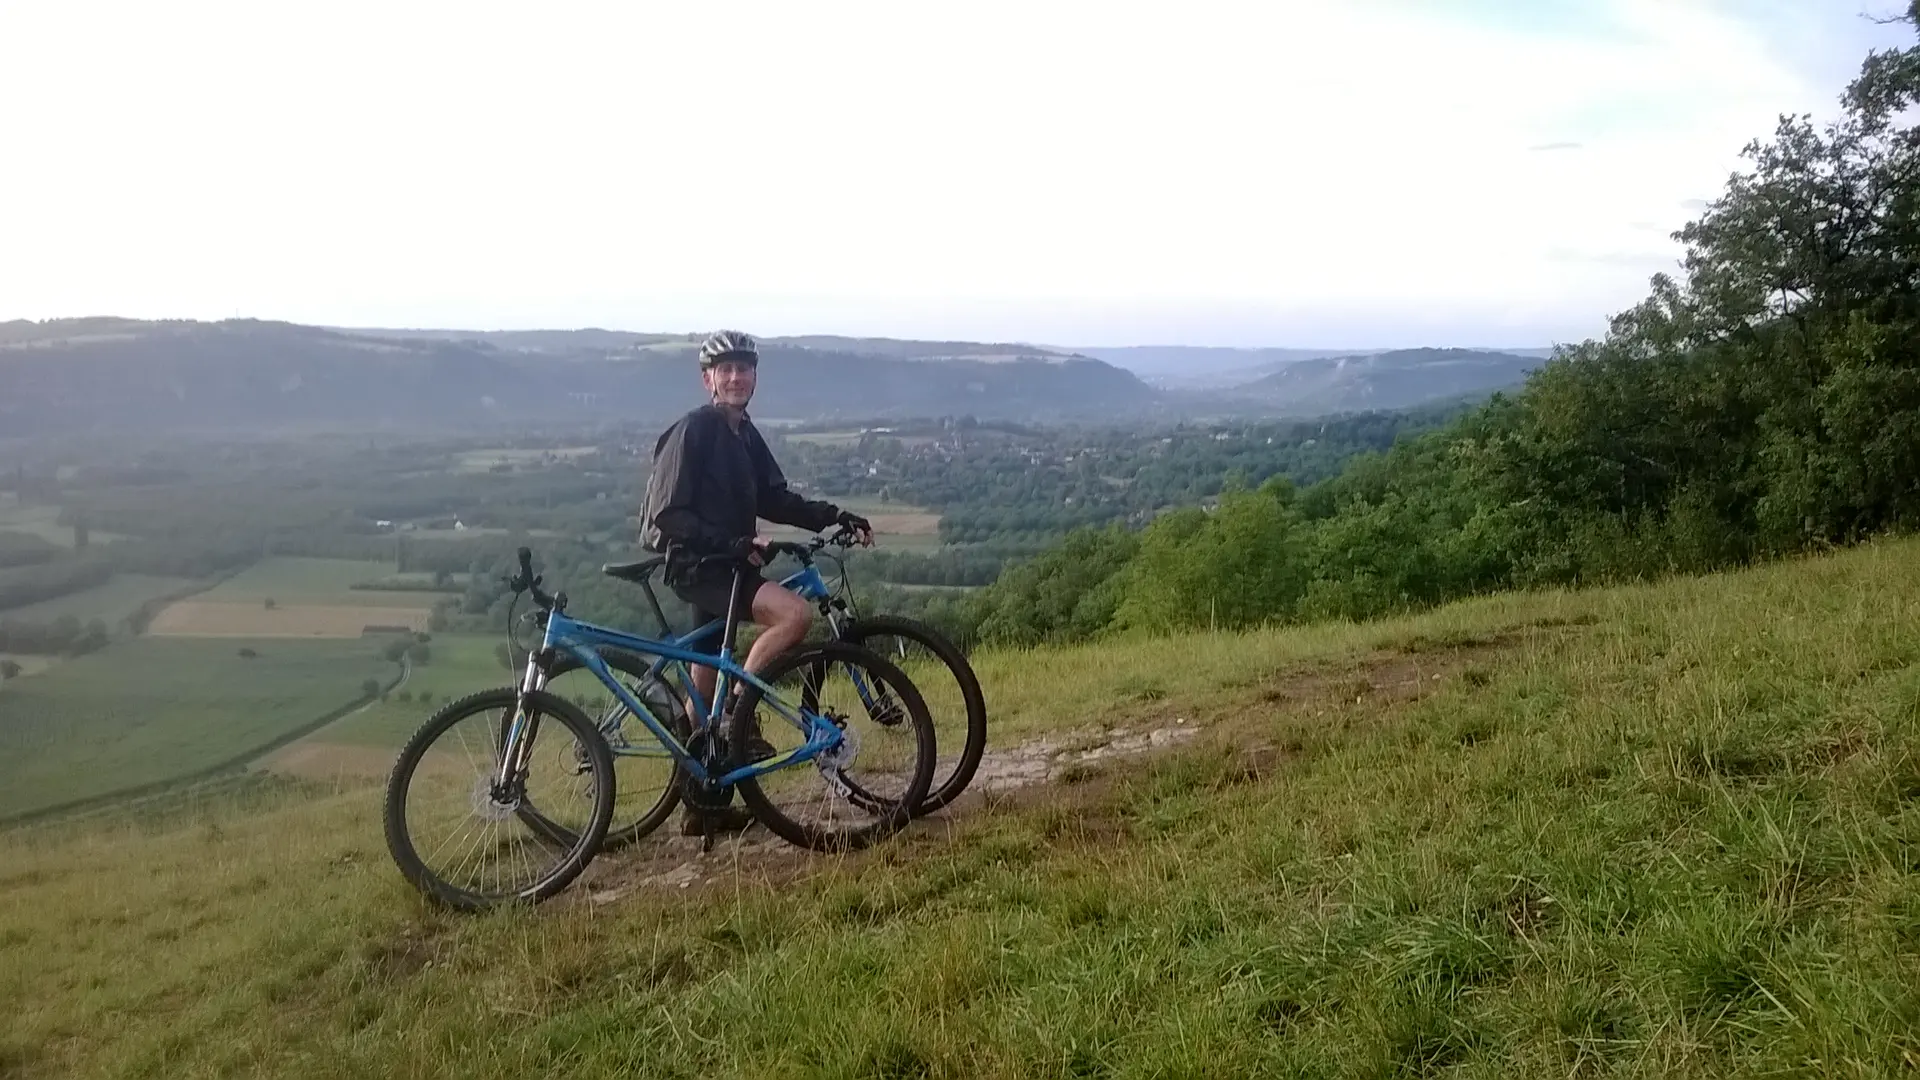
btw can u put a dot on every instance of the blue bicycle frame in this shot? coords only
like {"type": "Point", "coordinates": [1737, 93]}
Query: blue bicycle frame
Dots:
{"type": "Point", "coordinates": [581, 640]}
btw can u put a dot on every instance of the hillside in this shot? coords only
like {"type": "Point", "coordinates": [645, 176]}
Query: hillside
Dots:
{"type": "Point", "coordinates": [1660, 831]}
{"type": "Point", "coordinates": [1191, 367]}
{"type": "Point", "coordinates": [245, 375]}
{"type": "Point", "coordinates": [1390, 380]}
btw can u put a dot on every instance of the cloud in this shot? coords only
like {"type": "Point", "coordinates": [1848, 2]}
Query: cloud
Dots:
{"type": "Point", "coordinates": [905, 165]}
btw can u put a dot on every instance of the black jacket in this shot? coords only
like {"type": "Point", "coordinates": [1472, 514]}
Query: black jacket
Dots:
{"type": "Point", "coordinates": [710, 484]}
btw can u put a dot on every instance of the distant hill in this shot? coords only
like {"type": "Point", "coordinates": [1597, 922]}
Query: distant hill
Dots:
{"type": "Point", "coordinates": [125, 375]}
{"type": "Point", "coordinates": [1201, 367]}
{"type": "Point", "coordinates": [1390, 380]}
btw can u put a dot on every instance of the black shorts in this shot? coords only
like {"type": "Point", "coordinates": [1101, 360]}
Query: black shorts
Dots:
{"type": "Point", "coordinates": [708, 588]}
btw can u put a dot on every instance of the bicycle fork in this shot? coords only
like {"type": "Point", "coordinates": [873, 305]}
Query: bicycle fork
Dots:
{"type": "Point", "coordinates": [517, 741]}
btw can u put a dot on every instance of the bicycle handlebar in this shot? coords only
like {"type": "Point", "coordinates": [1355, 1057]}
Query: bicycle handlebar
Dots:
{"type": "Point", "coordinates": [528, 581]}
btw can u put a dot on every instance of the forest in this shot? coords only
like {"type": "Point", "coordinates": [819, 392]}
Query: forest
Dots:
{"type": "Point", "coordinates": [1763, 401]}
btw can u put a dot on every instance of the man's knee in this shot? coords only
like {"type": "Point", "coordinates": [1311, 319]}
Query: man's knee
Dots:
{"type": "Point", "coordinates": [776, 608]}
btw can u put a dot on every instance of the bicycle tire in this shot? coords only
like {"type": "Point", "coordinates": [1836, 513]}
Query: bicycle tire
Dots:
{"type": "Point", "coordinates": [807, 835]}
{"type": "Point", "coordinates": [944, 790]}
{"type": "Point", "coordinates": [619, 835]}
{"type": "Point", "coordinates": [399, 782]}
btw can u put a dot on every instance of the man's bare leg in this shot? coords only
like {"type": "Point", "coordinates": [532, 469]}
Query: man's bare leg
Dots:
{"type": "Point", "coordinates": [784, 619]}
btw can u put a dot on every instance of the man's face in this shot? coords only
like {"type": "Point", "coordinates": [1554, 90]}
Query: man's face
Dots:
{"type": "Point", "coordinates": [731, 382]}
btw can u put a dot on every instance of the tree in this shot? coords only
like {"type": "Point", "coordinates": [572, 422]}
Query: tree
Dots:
{"type": "Point", "coordinates": [9, 669]}
{"type": "Point", "coordinates": [370, 688]}
{"type": "Point", "coordinates": [268, 603]}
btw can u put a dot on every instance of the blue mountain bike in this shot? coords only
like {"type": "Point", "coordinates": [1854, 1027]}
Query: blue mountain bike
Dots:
{"type": "Point", "coordinates": [649, 786]}
{"type": "Point", "coordinates": [505, 795]}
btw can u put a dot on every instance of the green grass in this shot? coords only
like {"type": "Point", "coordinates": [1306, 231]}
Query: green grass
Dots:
{"type": "Point", "coordinates": [111, 601]}
{"type": "Point", "coordinates": [44, 521]}
{"type": "Point", "coordinates": [290, 580]}
{"type": "Point", "coordinates": [1661, 831]}
{"type": "Point", "coordinates": [154, 709]}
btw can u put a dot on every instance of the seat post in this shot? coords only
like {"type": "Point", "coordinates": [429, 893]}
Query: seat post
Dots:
{"type": "Point", "coordinates": [731, 626]}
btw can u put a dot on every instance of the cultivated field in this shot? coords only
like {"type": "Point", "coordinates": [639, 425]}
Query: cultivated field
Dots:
{"type": "Point", "coordinates": [43, 521]}
{"type": "Point", "coordinates": [367, 739]}
{"type": "Point", "coordinates": [1662, 831]}
{"type": "Point", "coordinates": [202, 618]}
{"type": "Point", "coordinates": [154, 709]}
{"type": "Point", "coordinates": [311, 598]}
{"type": "Point", "coordinates": [896, 526]}
{"type": "Point", "coordinates": [111, 601]}
{"type": "Point", "coordinates": [287, 580]}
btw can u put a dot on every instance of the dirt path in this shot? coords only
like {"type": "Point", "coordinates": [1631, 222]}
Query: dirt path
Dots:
{"type": "Point", "coordinates": [667, 860]}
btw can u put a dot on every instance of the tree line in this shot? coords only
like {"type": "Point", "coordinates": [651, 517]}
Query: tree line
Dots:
{"type": "Point", "coordinates": [1763, 402]}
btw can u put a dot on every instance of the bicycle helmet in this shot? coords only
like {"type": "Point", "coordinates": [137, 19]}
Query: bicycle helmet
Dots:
{"type": "Point", "coordinates": [728, 345]}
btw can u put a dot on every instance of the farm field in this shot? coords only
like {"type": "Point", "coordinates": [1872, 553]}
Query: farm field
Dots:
{"type": "Point", "coordinates": [458, 665]}
{"type": "Point", "coordinates": [198, 618]}
{"type": "Point", "coordinates": [312, 598]}
{"type": "Point", "coordinates": [154, 709]}
{"type": "Point", "coordinates": [292, 580]}
{"type": "Point", "coordinates": [44, 521]}
{"type": "Point", "coordinates": [111, 601]}
{"type": "Point", "coordinates": [30, 664]}
{"type": "Point", "coordinates": [896, 526]}
{"type": "Point", "coordinates": [1654, 831]}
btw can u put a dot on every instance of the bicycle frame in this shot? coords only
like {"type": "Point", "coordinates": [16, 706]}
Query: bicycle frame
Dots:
{"type": "Point", "coordinates": [581, 640]}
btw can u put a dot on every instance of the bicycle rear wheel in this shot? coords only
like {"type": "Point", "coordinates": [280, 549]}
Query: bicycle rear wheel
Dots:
{"type": "Point", "coordinates": [647, 779]}
{"type": "Point", "coordinates": [866, 788]}
{"type": "Point", "coordinates": [940, 672]}
{"type": "Point", "coordinates": [457, 835]}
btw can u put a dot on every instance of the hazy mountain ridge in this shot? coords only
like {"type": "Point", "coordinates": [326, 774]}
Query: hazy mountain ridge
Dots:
{"type": "Point", "coordinates": [125, 374]}
{"type": "Point", "coordinates": [130, 375]}
{"type": "Point", "coordinates": [1197, 367]}
{"type": "Point", "coordinates": [1398, 379]}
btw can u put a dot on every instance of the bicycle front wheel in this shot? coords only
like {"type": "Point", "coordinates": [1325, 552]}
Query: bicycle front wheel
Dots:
{"type": "Point", "coordinates": [940, 672]}
{"type": "Point", "coordinates": [647, 779]}
{"type": "Point", "coordinates": [865, 788]}
{"type": "Point", "coordinates": [457, 832]}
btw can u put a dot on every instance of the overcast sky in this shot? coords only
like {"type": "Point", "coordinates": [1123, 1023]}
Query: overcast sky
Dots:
{"type": "Point", "coordinates": [1321, 173]}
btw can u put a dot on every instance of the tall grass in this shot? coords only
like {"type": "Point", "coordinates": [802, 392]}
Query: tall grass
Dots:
{"type": "Point", "coordinates": [1657, 831]}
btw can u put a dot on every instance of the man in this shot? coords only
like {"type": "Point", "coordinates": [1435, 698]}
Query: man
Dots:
{"type": "Point", "coordinates": [713, 479]}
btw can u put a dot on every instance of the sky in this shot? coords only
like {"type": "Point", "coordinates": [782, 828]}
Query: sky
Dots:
{"type": "Point", "coordinates": [1306, 173]}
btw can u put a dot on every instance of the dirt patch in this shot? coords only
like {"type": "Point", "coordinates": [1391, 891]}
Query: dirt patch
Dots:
{"type": "Point", "coordinates": [206, 618]}
{"type": "Point", "coordinates": [667, 860]}
{"type": "Point", "coordinates": [1405, 673]}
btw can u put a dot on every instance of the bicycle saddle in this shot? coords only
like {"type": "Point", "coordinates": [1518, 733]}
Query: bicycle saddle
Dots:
{"type": "Point", "coordinates": [633, 571]}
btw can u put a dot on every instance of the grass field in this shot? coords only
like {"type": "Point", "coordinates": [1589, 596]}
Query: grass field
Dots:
{"type": "Point", "coordinates": [44, 521]}
{"type": "Point", "coordinates": [312, 598]}
{"type": "Point", "coordinates": [288, 580]}
{"type": "Point", "coordinates": [152, 709]}
{"type": "Point", "coordinates": [113, 600]}
{"type": "Point", "coordinates": [1662, 831]}
{"type": "Point", "coordinates": [896, 526]}
{"type": "Point", "coordinates": [196, 618]}
{"type": "Point", "coordinates": [29, 664]}
{"type": "Point", "coordinates": [458, 665]}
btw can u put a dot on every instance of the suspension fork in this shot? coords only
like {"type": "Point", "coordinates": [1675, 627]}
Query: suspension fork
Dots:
{"type": "Point", "coordinates": [518, 738]}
